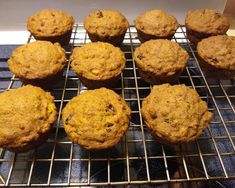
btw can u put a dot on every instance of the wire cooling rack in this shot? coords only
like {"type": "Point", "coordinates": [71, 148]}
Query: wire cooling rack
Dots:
{"type": "Point", "coordinates": [138, 159]}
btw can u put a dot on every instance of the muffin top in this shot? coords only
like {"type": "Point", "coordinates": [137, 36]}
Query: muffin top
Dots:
{"type": "Point", "coordinates": [96, 119]}
{"type": "Point", "coordinates": [98, 61]}
{"type": "Point", "coordinates": [106, 23]}
{"type": "Point", "coordinates": [26, 114]}
{"type": "Point", "coordinates": [175, 114]}
{"type": "Point", "coordinates": [37, 60]}
{"type": "Point", "coordinates": [157, 22]}
{"type": "Point", "coordinates": [161, 57]}
{"type": "Point", "coordinates": [207, 21]}
{"type": "Point", "coordinates": [50, 22]}
{"type": "Point", "coordinates": [218, 51]}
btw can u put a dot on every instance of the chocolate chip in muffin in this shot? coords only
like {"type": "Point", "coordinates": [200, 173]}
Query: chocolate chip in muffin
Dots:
{"type": "Point", "coordinates": [22, 127]}
{"type": "Point", "coordinates": [141, 27]}
{"type": "Point", "coordinates": [168, 120]}
{"type": "Point", "coordinates": [140, 56]}
{"type": "Point", "coordinates": [68, 119]}
{"type": "Point", "coordinates": [100, 14]}
{"type": "Point", "coordinates": [110, 107]}
{"type": "Point", "coordinates": [214, 60]}
{"type": "Point", "coordinates": [109, 124]}
{"type": "Point", "coordinates": [42, 24]}
{"type": "Point", "coordinates": [217, 15]}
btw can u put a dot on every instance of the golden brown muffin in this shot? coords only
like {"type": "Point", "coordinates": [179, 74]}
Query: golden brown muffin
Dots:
{"type": "Point", "coordinates": [155, 24]}
{"type": "Point", "coordinates": [160, 61]}
{"type": "Point", "coordinates": [27, 115]}
{"type": "Point", "coordinates": [203, 23]}
{"type": "Point", "coordinates": [106, 26]}
{"type": "Point", "coordinates": [175, 114]}
{"type": "Point", "coordinates": [96, 119]}
{"type": "Point", "coordinates": [216, 56]}
{"type": "Point", "coordinates": [51, 25]}
{"type": "Point", "coordinates": [98, 64]}
{"type": "Point", "coordinates": [38, 63]}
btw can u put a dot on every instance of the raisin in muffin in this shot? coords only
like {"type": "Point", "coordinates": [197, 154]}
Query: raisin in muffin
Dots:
{"type": "Point", "coordinates": [106, 26]}
{"type": "Point", "coordinates": [155, 24]}
{"type": "Point", "coordinates": [160, 61]}
{"type": "Point", "coordinates": [51, 25]}
{"type": "Point", "coordinates": [175, 114]}
{"type": "Point", "coordinates": [203, 23]}
{"type": "Point", "coordinates": [216, 56]}
{"type": "Point", "coordinates": [98, 64]}
{"type": "Point", "coordinates": [38, 63]}
{"type": "Point", "coordinates": [27, 115]}
{"type": "Point", "coordinates": [96, 119]}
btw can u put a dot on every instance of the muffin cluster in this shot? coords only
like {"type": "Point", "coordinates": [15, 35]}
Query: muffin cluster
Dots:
{"type": "Point", "coordinates": [99, 118]}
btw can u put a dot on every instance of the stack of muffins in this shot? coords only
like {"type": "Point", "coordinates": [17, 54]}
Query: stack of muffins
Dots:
{"type": "Point", "coordinates": [98, 119]}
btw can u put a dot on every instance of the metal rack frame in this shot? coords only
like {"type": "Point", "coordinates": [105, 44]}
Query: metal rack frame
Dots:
{"type": "Point", "coordinates": [138, 158]}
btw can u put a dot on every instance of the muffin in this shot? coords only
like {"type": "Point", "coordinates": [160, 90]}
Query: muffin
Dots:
{"type": "Point", "coordinates": [27, 115]}
{"type": "Point", "coordinates": [175, 114]}
{"type": "Point", "coordinates": [203, 23]}
{"type": "Point", "coordinates": [38, 63]}
{"type": "Point", "coordinates": [98, 64]}
{"type": "Point", "coordinates": [106, 26]}
{"type": "Point", "coordinates": [155, 24]}
{"type": "Point", "coordinates": [96, 119]}
{"type": "Point", "coordinates": [160, 61]}
{"type": "Point", "coordinates": [216, 56]}
{"type": "Point", "coordinates": [51, 25]}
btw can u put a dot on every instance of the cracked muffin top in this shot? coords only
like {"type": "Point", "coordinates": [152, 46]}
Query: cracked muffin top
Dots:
{"type": "Point", "coordinates": [218, 51]}
{"type": "Point", "coordinates": [50, 22]}
{"type": "Point", "coordinates": [161, 57]}
{"type": "Point", "coordinates": [98, 61]}
{"type": "Point", "coordinates": [106, 23]}
{"type": "Point", "coordinates": [96, 119]}
{"type": "Point", "coordinates": [207, 21]}
{"type": "Point", "coordinates": [37, 60]}
{"type": "Point", "coordinates": [175, 114]}
{"type": "Point", "coordinates": [157, 22]}
{"type": "Point", "coordinates": [26, 115]}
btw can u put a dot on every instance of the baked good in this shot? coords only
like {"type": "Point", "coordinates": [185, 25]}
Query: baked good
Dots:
{"type": "Point", "coordinates": [203, 23]}
{"type": "Point", "coordinates": [216, 56]}
{"type": "Point", "coordinates": [175, 114]}
{"type": "Point", "coordinates": [106, 26]}
{"type": "Point", "coordinates": [98, 64]}
{"type": "Point", "coordinates": [38, 63]}
{"type": "Point", "coordinates": [155, 24]}
{"type": "Point", "coordinates": [51, 25]}
{"type": "Point", "coordinates": [96, 119]}
{"type": "Point", "coordinates": [27, 115]}
{"type": "Point", "coordinates": [160, 61]}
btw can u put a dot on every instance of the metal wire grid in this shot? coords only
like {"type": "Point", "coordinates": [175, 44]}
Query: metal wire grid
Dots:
{"type": "Point", "coordinates": [138, 158]}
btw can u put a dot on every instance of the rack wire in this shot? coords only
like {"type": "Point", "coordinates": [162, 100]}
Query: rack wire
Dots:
{"type": "Point", "coordinates": [138, 159]}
